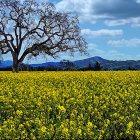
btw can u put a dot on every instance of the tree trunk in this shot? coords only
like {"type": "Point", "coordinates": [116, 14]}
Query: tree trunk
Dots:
{"type": "Point", "coordinates": [15, 67]}
{"type": "Point", "coordinates": [16, 64]}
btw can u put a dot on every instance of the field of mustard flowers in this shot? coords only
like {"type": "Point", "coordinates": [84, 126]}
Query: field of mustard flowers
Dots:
{"type": "Point", "coordinates": [70, 105]}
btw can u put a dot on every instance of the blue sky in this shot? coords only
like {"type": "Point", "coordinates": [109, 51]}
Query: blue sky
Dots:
{"type": "Point", "coordinates": [110, 27]}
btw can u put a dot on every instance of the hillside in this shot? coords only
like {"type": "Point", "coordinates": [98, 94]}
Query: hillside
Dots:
{"type": "Point", "coordinates": [7, 63]}
{"type": "Point", "coordinates": [106, 64]}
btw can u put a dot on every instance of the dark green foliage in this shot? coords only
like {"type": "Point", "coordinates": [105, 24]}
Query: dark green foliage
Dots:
{"type": "Point", "coordinates": [130, 68]}
{"type": "Point", "coordinates": [0, 57]}
{"type": "Point", "coordinates": [97, 66]}
{"type": "Point", "coordinates": [67, 65]}
{"type": "Point", "coordinates": [108, 64]}
{"type": "Point", "coordinates": [90, 67]}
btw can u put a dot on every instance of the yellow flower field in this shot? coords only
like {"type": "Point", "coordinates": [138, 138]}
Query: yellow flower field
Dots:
{"type": "Point", "coordinates": [70, 105]}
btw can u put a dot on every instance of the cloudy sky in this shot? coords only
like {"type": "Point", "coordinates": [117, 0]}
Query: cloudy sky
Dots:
{"type": "Point", "coordinates": [110, 27]}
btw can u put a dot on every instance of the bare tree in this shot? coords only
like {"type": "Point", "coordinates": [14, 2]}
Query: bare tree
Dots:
{"type": "Point", "coordinates": [30, 29]}
{"type": "Point", "coordinates": [0, 57]}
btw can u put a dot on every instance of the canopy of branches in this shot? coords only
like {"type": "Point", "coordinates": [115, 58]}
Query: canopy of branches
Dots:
{"type": "Point", "coordinates": [29, 28]}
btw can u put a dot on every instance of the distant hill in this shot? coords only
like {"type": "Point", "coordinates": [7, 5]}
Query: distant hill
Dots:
{"type": "Point", "coordinates": [7, 63]}
{"type": "Point", "coordinates": [92, 60]}
{"type": "Point", "coordinates": [106, 64]}
{"type": "Point", "coordinates": [122, 65]}
{"type": "Point", "coordinates": [80, 63]}
{"type": "Point", "coordinates": [45, 64]}
{"type": "Point", "coordinates": [109, 64]}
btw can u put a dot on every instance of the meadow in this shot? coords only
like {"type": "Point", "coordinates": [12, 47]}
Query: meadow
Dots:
{"type": "Point", "coordinates": [70, 105]}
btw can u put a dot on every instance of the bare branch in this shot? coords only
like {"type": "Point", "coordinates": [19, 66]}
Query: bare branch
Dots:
{"type": "Point", "coordinates": [37, 29]}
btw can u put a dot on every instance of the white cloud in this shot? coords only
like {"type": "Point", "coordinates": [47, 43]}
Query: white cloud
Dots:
{"type": "Point", "coordinates": [94, 50]}
{"type": "Point", "coordinates": [101, 33]}
{"type": "Point", "coordinates": [116, 12]}
{"type": "Point", "coordinates": [113, 55]}
{"type": "Point", "coordinates": [116, 22]}
{"type": "Point", "coordinates": [93, 47]}
{"type": "Point", "coordinates": [110, 55]}
{"type": "Point", "coordinates": [138, 1]}
{"type": "Point", "coordinates": [80, 7]}
{"type": "Point", "coordinates": [124, 43]}
{"type": "Point", "coordinates": [135, 22]}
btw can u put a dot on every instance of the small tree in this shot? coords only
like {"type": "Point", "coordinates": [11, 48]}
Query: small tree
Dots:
{"type": "Point", "coordinates": [130, 68]}
{"type": "Point", "coordinates": [97, 66]}
{"type": "Point", "coordinates": [90, 67]}
{"type": "Point", "coordinates": [30, 29]}
{"type": "Point", "coordinates": [0, 57]}
{"type": "Point", "coordinates": [67, 65]}
{"type": "Point", "coordinates": [52, 68]}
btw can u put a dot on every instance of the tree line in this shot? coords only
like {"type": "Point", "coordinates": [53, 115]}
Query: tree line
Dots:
{"type": "Point", "coordinates": [65, 65]}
